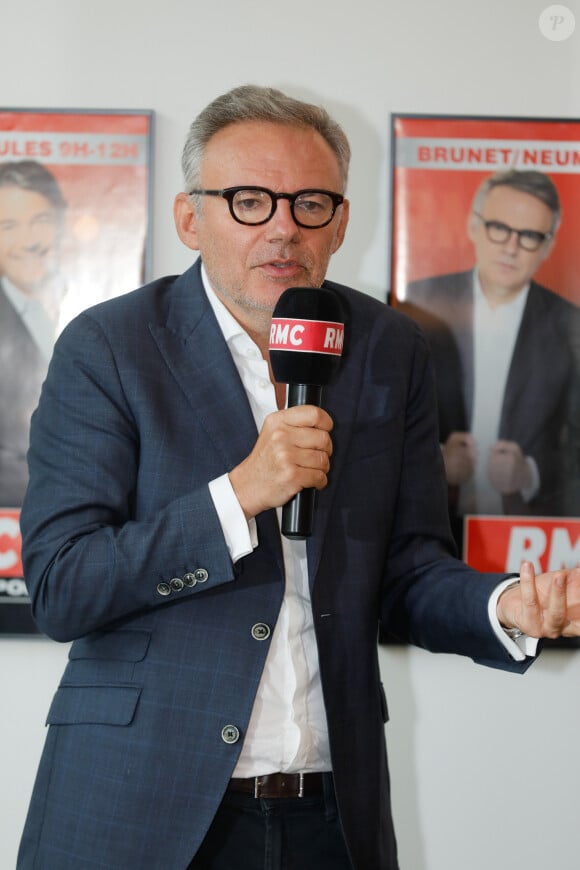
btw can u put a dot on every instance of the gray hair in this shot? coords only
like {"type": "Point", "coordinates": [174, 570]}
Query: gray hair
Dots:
{"type": "Point", "coordinates": [34, 177]}
{"type": "Point", "coordinates": [529, 181]}
{"type": "Point", "coordinates": [254, 103]}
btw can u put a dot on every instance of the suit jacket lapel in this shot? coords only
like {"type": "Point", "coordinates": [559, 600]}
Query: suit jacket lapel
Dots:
{"type": "Point", "coordinates": [528, 369]}
{"type": "Point", "coordinates": [464, 337]}
{"type": "Point", "coordinates": [335, 402]}
{"type": "Point", "coordinates": [337, 399]}
{"type": "Point", "coordinates": [199, 359]}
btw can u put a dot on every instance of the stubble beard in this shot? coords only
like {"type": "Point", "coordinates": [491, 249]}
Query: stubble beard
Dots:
{"type": "Point", "coordinates": [252, 312]}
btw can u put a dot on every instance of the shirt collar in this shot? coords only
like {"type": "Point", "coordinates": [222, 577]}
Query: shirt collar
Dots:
{"type": "Point", "coordinates": [480, 300]}
{"type": "Point", "coordinates": [20, 301]}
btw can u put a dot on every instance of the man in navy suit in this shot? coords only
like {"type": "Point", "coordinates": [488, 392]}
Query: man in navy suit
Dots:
{"type": "Point", "coordinates": [31, 221]}
{"type": "Point", "coordinates": [222, 705]}
{"type": "Point", "coordinates": [506, 359]}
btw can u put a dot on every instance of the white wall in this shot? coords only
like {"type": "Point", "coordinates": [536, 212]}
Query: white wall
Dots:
{"type": "Point", "coordinates": [484, 764]}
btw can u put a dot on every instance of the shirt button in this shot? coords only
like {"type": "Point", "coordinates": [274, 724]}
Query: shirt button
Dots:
{"type": "Point", "coordinates": [164, 588]}
{"type": "Point", "coordinates": [176, 584]}
{"type": "Point", "coordinates": [260, 631]}
{"type": "Point", "coordinates": [200, 575]}
{"type": "Point", "coordinates": [189, 579]}
{"type": "Point", "coordinates": [230, 734]}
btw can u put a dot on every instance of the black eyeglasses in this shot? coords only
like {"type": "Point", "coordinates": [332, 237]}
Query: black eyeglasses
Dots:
{"type": "Point", "coordinates": [498, 233]}
{"type": "Point", "coordinates": [311, 208]}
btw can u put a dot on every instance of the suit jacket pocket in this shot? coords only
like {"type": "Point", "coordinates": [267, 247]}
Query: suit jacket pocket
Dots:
{"type": "Point", "coordinates": [120, 646]}
{"type": "Point", "coordinates": [94, 705]}
{"type": "Point", "coordinates": [381, 436]}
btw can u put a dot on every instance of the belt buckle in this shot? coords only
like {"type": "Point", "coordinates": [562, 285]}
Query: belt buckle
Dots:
{"type": "Point", "coordinates": [258, 783]}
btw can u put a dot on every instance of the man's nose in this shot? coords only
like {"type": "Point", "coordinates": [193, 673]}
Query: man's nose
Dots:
{"type": "Point", "coordinates": [512, 243]}
{"type": "Point", "coordinates": [282, 224]}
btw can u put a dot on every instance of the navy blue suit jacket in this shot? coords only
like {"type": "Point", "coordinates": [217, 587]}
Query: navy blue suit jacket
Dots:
{"type": "Point", "coordinates": [141, 408]}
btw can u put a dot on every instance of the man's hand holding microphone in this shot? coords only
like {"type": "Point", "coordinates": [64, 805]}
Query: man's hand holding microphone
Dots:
{"type": "Point", "coordinates": [291, 458]}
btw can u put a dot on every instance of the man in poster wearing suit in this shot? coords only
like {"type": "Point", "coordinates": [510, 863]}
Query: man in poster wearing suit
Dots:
{"type": "Point", "coordinates": [31, 221]}
{"type": "Point", "coordinates": [506, 357]}
{"type": "Point", "coordinates": [222, 706]}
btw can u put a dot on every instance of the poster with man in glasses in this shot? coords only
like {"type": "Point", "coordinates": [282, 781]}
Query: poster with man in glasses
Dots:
{"type": "Point", "coordinates": [74, 192]}
{"type": "Point", "coordinates": [505, 340]}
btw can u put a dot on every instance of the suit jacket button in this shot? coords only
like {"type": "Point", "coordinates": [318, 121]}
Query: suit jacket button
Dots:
{"type": "Point", "coordinates": [164, 588]}
{"type": "Point", "coordinates": [230, 734]}
{"type": "Point", "coordinates": [200, 575]}
{"type": "Point", "coordinates": [260, 631]}
{"type": "Point", "coordinates": [176, 584]}
{"type": "Point", "coordinates": [189, 579]}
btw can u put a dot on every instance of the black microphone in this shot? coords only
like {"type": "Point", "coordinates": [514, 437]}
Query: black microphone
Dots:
{"type": "Point", "coordinates": [306, 341]}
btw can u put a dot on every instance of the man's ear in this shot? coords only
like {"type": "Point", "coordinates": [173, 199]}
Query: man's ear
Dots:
{"type": "Point", "coordinates": [547, 248]}
{"type": "Point", "coordinates": [472, 224]}
{"type": "Point", "coordinates": [186, 219]}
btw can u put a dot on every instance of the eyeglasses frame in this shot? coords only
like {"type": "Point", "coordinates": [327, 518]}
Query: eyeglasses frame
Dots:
{"type": "Point", "coordinates": [228, 193]}
{"type": "Point", "coordinates": [545, 237]}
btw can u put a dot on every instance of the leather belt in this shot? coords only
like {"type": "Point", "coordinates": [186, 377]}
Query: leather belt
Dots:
{"type": "Point", "coordinates": [279, 785]}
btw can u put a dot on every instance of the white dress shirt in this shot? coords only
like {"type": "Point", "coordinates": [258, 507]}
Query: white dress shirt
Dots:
{"type": "Point", "coordinates": [287, 729]}
{"type": "Point", "coordinates": [34, 316]}
{"type": "Point", "coordinates": [495, 331]}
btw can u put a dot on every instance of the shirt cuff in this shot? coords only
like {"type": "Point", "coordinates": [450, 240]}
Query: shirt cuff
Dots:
{"type": "Point", "coordinates": [241, 535]}
{"type": "Point", "coordinates": [522, 646]}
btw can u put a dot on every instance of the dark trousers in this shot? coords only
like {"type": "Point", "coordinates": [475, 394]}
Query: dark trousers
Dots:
{"type": "Point", "coordinates": [275, 834]}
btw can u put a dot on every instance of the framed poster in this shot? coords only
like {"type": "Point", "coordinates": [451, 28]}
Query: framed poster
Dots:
{"type": "Point", "coordinates": [485, 256]}
{"type": "Point", "coordinates": [438, 162]}
{"type": "Point", "coordinates": [75, 192]}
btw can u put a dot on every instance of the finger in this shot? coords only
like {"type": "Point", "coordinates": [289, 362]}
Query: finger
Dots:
{"type": "Point", "coordinates": [531, 610]}
{"type": "Point", "coordinates": [312, 439]}
{"type": "Point", "coordinates": [308, 415]}
{"type": "Point", "coordinates": [573, 595]}
{"type": "Point", "coordinates": [468, 440]}
{"type": "Point", "coordinates": [459, 439]}
{"type": "Point", "coordinates": [317, 460]}
{"type": "Point", "coordinates": [503, 448]}
{"type": "Point", "coordinates": [555, 617]}
{"type": "Point", "coordinates": [308, 476]}
{"type": "Point", "coordinates": [528, 580]}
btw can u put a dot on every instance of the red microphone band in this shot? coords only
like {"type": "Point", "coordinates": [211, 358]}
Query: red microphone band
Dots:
{"type": "Point", "coordinates": [312, 336]}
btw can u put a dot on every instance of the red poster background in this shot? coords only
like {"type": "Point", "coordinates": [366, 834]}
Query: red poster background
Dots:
{"type": "Point", "coordinates": [500, 543]}
{"type": "Point", "coordinates": [430, 206]}
{"type": "Point", "coordinates": [102, 163]}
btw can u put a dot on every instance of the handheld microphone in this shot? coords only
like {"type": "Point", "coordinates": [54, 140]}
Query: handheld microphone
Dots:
{"type": "Point", "coordinates": [306, 341]}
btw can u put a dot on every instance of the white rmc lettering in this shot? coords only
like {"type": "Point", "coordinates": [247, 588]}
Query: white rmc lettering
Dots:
{"type": "Point", "coordinates": [283, 335]}
{"type": "Point", "coordinates": [10, 528]}
{"type": "Point", "coordinates": [279, 333]}
{"type": "Point", "coordinates": [15, 588]}
{"type": "Point", "coordinates": [531, 543]}
{"type": "Point", "coordinates": [296, 335]}
{"type": "Point", "coordinates": [334, 338]}
{"type": "Point", "coordinates": [562, 553]}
